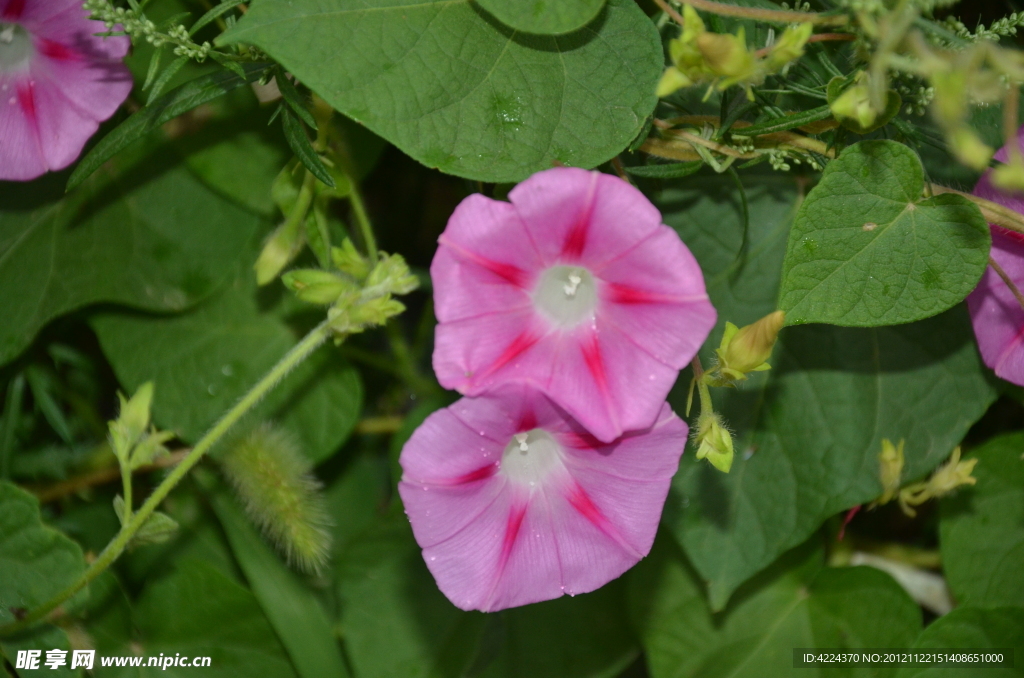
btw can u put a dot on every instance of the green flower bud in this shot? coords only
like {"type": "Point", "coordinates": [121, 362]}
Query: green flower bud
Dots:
{"type": "Point", "coordinates": [789, 47]}
{"type": "Point", "coordinates": [392, 274]}
{"type": "Point", "coordinates": [281, 248]}
{"type": "Point", "coordinates": [348, 260]}
{"type": "Point", "coordinates": [748, 349]}
{"type": "Point", "coordinates": [714, 441]}
{"type": "Point", "coordinates": [727, 56]}
{"type": "Point", "coordinates": [969, 149]}
{"type": "Point", "coordinates": [672, 80]}
{"type": "Point", "coordinates": [131, 423]}
{"type": "Point", "coordinates": [890, 470]}
{"type": "Point", "coordinates": [316, 286]}
{"type": "Point", "coordinates": [1009, 177]}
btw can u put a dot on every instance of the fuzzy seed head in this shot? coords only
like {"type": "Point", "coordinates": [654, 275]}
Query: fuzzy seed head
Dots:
{"type": "Point", "coordinates": [281, 496]}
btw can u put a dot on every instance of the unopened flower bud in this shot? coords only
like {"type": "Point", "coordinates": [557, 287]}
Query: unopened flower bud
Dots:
{"type": "Point", "coordinates": [714, 441]}
{"type": "Point", "coordinates": [747, 349]}
{"type": "Point", "coordinates": [890, 470]}
{"type": "Point", "coordinates": [789, 47]}
{"type": "Point", "coordinates": [854, 104]}
{"type": "Point", "coordinates": [282, 246]}
{"type": "Point", "coordinates": [392, 273]}
{"type": "Point", "coordinates": [727, 55]}
{"type": "Point", "coordinates": [1009, 177]}
{"type": "Point", "coordinates": [316, 286]}
{"type": "Point", "coordinates": [131, 423]}
{"type": "Point", "coordinates": [348, 260]}
{"type": "Point", "coordinates": [969, 149]}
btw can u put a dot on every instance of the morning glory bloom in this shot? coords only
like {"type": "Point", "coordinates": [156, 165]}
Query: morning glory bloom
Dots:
{"type": "Point", "coordinates": [995, 311]}
{"type": "Point", "coordinates": [574, 287]}
{"type": "Point", "coordinates": [58, 81]}
{"type": "Point", "coordinates": [513, 502]}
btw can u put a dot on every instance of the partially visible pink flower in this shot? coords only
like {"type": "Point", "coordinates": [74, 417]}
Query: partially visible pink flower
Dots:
{"type": "Point", "coordinates": [995, 312]}
{"type": "Point", "coordinates": [574, 287]}
{"type": "Point", "coordinates": [513, 502]}
{"type": "Point", "coordinates": [57, 83]}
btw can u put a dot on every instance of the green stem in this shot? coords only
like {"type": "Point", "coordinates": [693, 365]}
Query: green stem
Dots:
{"type": "Point", "coordinates": [364, 221]}
{"type": "Point", "coordinates": [113, 550]}
{"type": "Point", "coordinates": [126, 482]}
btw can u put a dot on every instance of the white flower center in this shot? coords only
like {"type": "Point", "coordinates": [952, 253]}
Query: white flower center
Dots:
{"type": "Point", "coordinates": [15, 46]}
{"type": "Point", "coordinates": [566, 295]}
{"type": "Point", "coordinates": [529, 457]}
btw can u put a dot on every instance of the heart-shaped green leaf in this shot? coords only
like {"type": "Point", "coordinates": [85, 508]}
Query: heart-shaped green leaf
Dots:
{"type": "Point", "coordinates": [549, 17]}
{"type": "Point", "coordinates": [867, 250]}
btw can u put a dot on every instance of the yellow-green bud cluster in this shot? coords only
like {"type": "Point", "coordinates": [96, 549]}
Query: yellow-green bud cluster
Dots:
{"type": "Point", "coordinates": [723, 60]}
{"type": "Point", "coordinates": [134, 441]}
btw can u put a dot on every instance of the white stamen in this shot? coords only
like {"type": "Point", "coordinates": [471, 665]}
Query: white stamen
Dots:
{"type": "Point", "coordinates": [521, 439]}
{"type": "Point", "coordinates": [7, 34]}
{"type": "Point", "coordinates": [574, 282]}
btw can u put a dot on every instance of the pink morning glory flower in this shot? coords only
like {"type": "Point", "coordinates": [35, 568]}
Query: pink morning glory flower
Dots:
{"type": "Point", "coordinates": [995, 312]}
{"type": "Point", "coordinates": [513, 502]}
{"type": "Point", "coordinates": [57, 82]}
{"type": "Point", "coordinates": [574, 287]}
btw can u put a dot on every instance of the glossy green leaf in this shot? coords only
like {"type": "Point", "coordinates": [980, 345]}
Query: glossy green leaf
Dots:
{"type": "Point", "coordinates": [292, 609]}
{"type": "Point", "coordinates": [163, 245]}
{"type": "Point", "coordinates": [549, 17]}
{"type": "Point", "coordinates": [966, 627]}
{"type": "Point", "coordinates": [203, 361]}
{"type": "Point", "coordinates": [808, 432]}
{"type": "Point", "coordinates": [36, 563]}
{"type": "Point", "coordinates": [982, 528]}
{"type": "Point", "coordinates": [866, 250]}
{"type": "Point", "coordinates": [395, 622]}
{"type": "Point", "coordinates": [494, 105]}
{"type": "Point", "coordinates": [197, 611]}
{"type": "Point", "coordinates": [796, 603]}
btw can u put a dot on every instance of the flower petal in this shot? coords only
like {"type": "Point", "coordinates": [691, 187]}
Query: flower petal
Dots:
{"type": "Point", "coordinates": [995, 312]}
{"type": "Point", "coordinates": [475, 354]}
{"type": "Point", "coordinates": [31, 13]}
{"type": "Point", "coordinates": [655, 294]}
{"type": "Point", "coordinates": [464, 288]}
{"type": "Point", "coordinates": [578, 216]}
{"type": "Point", "coordinates": [21, 155]}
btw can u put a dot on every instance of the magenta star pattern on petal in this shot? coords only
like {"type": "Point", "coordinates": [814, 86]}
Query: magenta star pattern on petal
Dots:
{"type": "Point", "coordinates": [513, 502]}
{"type": "Point", "coordinates": [58, 81]}
{"type": "Point", "coordinates": [995, 312]}
{"type": "Point", "coordinates": [574, 287]}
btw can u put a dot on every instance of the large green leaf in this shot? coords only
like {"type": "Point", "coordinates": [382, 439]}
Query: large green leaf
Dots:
{"type": "Point", "coordinates": [36, 563]}
{"type": "Point", "coordinates": [982, 528]}
{"type": "Point", "coordinates": [866, 250]}
{"type": "Point", "coordinates": [149, 237]}
{"type": "Point", "coordinates": [798, 603]}
{"type": "Point", "coordinates": [459, 91]}
{"type": "Point", "coordinates": [395, 622]}
{"type": "Point", "coordinates": [197, 611]}
{"type": "Point", "coordinates": [550, 17]}
{"type": "Point", "coordinates": [808, 432]}
{"type": "Point", "coordinates": [978, 629]}
{"type": "Point", "coordinates": [203, 361]}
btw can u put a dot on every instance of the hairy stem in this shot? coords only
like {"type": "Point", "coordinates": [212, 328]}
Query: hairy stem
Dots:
{"type": "Point", "coordinates": [993, 212]}
{"type": "Point", "coordinates": [756, 13]}
{"type": "Point", "coordinates": [113, 550]}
